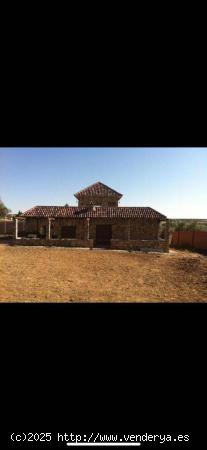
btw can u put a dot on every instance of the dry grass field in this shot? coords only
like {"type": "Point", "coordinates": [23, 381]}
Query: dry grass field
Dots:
{"type": "Point", "coordinates": [41, 274]}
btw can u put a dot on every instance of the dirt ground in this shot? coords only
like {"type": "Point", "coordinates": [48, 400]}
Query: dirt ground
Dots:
{"type": "Point", "coordinates": [41, 274]}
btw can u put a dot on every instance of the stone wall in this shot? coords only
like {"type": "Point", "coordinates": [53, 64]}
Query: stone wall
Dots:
{"type": "Point", "coordinates": [144, 245]}
{"type": "Point", "coordinates": [139, 228]}
{"type": "Point", "coordinates": [81, 227]}
{"type": "Point", "coordinates": [143, 233]}
{"type": "Point", "coordinates": [144, 229]}
{"type": "Point", "coordinates": [98, 201]}
{"type": "Point", "coordinates": [86, 243]}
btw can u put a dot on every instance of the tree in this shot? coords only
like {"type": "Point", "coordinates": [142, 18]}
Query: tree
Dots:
{"type": "Point", "coordinates": [192, 225]}
{"type": "Point", "coordinates": [177, 225]}
{"type": "Point", "coordinates": [184, 225]}
{"type": "Point", "coordinates": [19, 213]}
{"type": "Point", "coordinates": [3, 209]}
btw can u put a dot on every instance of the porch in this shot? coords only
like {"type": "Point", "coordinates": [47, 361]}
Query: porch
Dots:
{"type": "Point", "coordinates": [89, 234]}
{"type": "Point", "coordinates": [51, 232]}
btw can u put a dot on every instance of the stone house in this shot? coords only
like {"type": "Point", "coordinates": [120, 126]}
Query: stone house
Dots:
{"type": "Point", "coordinates": [97, 221]}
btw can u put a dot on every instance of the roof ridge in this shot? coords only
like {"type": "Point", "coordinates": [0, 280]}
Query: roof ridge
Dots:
{"type": "Point", "coordinates": [95, 185]}
{"type": "Point", "coordinates": [54, 206]}
{"type": "Point", "coordinates": [97, 206]}
{"type": "Point", "coordinates": [88, 187]}
{"type": "Point", "coordinates": [108, 187]}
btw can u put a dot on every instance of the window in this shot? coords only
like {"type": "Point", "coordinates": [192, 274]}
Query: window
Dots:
{"type": "Point", "coordinates": [68, 232]}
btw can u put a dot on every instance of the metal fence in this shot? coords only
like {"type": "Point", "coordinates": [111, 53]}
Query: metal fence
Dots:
{"type": "Point", "coordinates": [190, 239]}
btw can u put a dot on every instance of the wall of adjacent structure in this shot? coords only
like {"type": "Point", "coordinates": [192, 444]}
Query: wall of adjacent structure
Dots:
{"type": "Point", "coordinates": [6, 227]}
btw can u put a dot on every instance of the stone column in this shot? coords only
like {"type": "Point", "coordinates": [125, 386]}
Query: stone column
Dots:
{"type": "Point", "coordinates": [129, 231]}
{"type": "Point", "coordinates": [16, 228]}
{"type": "Point", "coordinates": [88, 228]}
{"type": "Point", "coordinates": [129, 235]}
{"type": "Point", "coordinates": [53, 227]}
{"type": "Point", "coordinates": [48, 228]}
{"type": "Point", "coordinates": [167, 227]}
{"type": "Point", "coordinates": [158, 232]}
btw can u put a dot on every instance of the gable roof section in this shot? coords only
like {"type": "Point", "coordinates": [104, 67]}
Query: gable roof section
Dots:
{"type": "Point", "coordinates": [98, 212]}
{"type": "Point", "coordinates": [98, 189]}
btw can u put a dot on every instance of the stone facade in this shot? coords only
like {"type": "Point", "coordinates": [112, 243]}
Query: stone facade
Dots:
{"type": "Point", "coordinates": [96, 221]}
{"type": "Point", "coordinates": [98, 201]}
{"type": "Point", "coordinates": [98, 194]}
{"type": "Point", "coordinates": [138, 228]}
{"type": "Point", "coordinates": [126, 233]}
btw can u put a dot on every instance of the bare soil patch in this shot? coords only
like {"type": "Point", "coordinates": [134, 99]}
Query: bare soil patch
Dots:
{"type": "Point", "coordinates": [41, 274]}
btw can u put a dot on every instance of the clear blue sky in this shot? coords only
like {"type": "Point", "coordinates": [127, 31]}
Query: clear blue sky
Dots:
{"type": "Point", "coordinates": [170, 180]}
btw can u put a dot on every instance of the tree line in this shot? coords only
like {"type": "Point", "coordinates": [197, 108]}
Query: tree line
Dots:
{"type": "Point", "coordinates": [185, 225]}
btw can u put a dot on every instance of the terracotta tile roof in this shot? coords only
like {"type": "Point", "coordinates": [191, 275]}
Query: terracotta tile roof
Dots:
{"type": "Point", "coordinates": [99, 189]}
{"type": "Point", "coordinates": [102, 212]}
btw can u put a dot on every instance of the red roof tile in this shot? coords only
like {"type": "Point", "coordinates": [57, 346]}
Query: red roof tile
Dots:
{"type": "Point", "coordinates": [102, 212]}
{"type": "Point", "coordinates": [99, 189]}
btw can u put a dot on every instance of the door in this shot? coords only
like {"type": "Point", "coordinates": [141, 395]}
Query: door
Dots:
{"type": "Point", "coordinates": [68, 232]}
{"type": "Point", "coordinates": [103, 234]}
